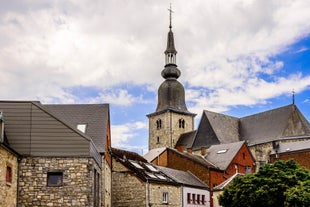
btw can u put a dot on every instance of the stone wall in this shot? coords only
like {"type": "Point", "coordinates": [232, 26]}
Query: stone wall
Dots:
{"type": "Point", "coordinates": [8, 190]}
{"type": "Point", "coordinates": [156, 195]}
{"type": "Point", "coordinates": [77, 188]}
{"type": "Point", "coordinates": [106, 183]}
{"type": "Point", "coordinates": [170, 131]}
{"type": "Point", "coordinates": [127, 190]}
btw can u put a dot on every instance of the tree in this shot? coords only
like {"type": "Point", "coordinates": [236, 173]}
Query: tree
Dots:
{"type": "Point", "coordinates": [280, 184]}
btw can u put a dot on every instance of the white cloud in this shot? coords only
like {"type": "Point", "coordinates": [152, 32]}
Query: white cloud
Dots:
{"type": "Point", "coordinates": [224, 49]}
{"type": "Point", "coordinates": [122, 134]}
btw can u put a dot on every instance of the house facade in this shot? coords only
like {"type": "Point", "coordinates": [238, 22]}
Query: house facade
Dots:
{"type": "Point", "coordinates": [61, 151]}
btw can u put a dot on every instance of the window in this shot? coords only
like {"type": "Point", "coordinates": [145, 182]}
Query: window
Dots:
{"type": "Point", "coordinates": [247, 170]}
{"type": "Point", "coordinates": [198, 199]}
{"type": "Point", "coordinates": [157, 140]}
{"type": "Point", "coordinates": [243, 155]}
{"type": "Point", "coordinates": [222, 151]}
{"type": "Point", "coordinates": [181, 123]}
{"type": "Point", "coordinates": [203, 199]}
{"type": "Point", "coordinates": [194, 198]}
{"type": "Point", "coordinates": [165, 197]}
{"type": "Point", "coordinates": [158, 124]}
{"type": "Point", "coordinates": [188, 198]}
{"type": "Point", "coordinates": [54, 179]}
{"type": "Point", "coordinates": [82, 127]}
{"type": "Point", "coordinates": [8, 173]}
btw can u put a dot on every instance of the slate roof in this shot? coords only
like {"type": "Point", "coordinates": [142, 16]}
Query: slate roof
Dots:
{"type": "Point", "coordinates": [289, 147]}
{"type": "Point", "coordinates": [215, 128]}
{"type": "Point", "coordinates": [221, 155]}
{"type": "Point", "coordinates": [153, 173]}
{"type": "Point", "coordinates": [96, 116]}
{"type": "Point", "coordinates": [153, 153]}
{"type": "Point", "coordinates": [186, 139]}
{"type": "Point", "coordinates": [185, 178]}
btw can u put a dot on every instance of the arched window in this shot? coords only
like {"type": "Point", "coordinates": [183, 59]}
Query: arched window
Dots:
{"type": "Point", "coordinates": [181, 123]}
{"type": "Point", "coordinates": [158, 124]}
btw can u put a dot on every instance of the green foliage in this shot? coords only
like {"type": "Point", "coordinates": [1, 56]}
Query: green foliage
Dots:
{"type": "Point", "coordinates": [282, 184]}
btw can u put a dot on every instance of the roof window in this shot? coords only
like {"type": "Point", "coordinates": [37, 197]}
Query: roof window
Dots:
{"type": "Point", "coordinates": [81, 127]}
{"type": "Point", "coordinates": [222, 151]}
{"type": "Point", "coordinates": [150, 167]}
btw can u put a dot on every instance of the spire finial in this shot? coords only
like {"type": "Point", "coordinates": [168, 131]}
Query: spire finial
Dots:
{"type": "Point", "coordinates": [293, 96]}
{"type": "Point", "coordinates": [170, 10]}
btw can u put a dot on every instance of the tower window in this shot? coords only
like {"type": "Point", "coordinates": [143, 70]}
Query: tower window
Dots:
{"type": "Point", "coordinates": [158, 124]}
{"type": "Point", "coordinates": [157, 140]}
{"type": "Point", "coordinates": [181, 123]}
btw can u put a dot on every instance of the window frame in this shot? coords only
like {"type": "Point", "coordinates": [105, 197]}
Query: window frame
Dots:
{"type": "Point", "coordinates": [165, 197]}
{"type": "Point", "coordinates": [54, 173]}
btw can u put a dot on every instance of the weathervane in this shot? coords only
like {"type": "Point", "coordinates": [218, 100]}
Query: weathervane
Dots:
{"type": "Point", "coordinates": [170, 10]}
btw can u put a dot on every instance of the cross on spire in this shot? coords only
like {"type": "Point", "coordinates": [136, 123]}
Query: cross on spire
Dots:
{"type": "Point", "coordinates": [293, 96]}
{"type": "Point", "coordinates": [170, 10]}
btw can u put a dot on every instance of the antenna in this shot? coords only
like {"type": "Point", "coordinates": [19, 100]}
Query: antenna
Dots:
{"type": "Point", "coordinates": [293, 96]}
{"type": "Point", "coordinates": [170, 10]}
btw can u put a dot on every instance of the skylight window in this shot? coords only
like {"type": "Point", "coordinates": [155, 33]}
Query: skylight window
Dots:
{"type": "Point", "coordinates": [222, 151]}
{"type": "Point", "coordinates": [161, 177]}
{"type": "Point", "coordinates": [136, 164]}
{"type": "Point", "coordinates": [151, 168]}
{"type": "Point", "coordinates": [151, 175]}
{"type": "Point", "coordinates": [82, 127]}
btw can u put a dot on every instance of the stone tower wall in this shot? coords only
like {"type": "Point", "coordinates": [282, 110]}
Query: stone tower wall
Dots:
{"type": "Point", "coordinates": [169, 133]}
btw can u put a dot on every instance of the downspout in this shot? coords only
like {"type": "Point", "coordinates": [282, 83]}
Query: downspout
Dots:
{"type": "Point", "coordinates": [171, 130]}
{"type": "Point", "coordinates": [18, 173]}
{"type": "Point", "coordinates": [147, 193]}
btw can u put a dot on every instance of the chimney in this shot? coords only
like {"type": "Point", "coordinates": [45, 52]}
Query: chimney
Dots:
{"type": "Point", "coordinates": [203, 151]}
{"type": "Point", "coordinates": [189, 150]}
{"type": "Point", "coordinates": [180, 148]}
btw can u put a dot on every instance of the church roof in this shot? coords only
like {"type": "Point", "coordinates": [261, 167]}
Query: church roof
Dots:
{"type": "Point", "coordinates": [215, 128]}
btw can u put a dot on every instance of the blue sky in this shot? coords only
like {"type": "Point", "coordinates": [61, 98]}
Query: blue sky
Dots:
{"type": "Point", "coordinates": [237, 57]}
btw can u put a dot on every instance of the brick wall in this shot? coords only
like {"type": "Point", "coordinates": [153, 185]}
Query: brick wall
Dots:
{"type": "Point", "coordinates": [77, 188]}
{"type": "Point", "coordinates": [8, 190]}
{"type": "Point", "coordinates": [302, 158]}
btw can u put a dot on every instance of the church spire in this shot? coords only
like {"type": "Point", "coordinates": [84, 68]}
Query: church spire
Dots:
{"type": "Point", "coordinates": [170, 52]}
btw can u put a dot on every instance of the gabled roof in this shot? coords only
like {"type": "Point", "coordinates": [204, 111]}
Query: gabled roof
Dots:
{"type": "Point", "coordinates": [186, 139]}
{"type": "Point", "coordinates": [182, 177]}
{"type": "Point", "coordinates": [285, 121]}
{"type": "Point", "coordinates": [289, 147]}
{"type": "Point", "coordinates": [227, 182]}
{"type": "Point", "coordinates": [221, 155]}
{"type": "Point", "coordinates": [143, 170]}
{"type": "Point", "coordinates": [215, 128]}
{"type": "Point", "coordinates": [95, 116]}
{"type": "Point", "coordinates": [153, 153]}
{"type": "Point", "coordinates": [38, 130]}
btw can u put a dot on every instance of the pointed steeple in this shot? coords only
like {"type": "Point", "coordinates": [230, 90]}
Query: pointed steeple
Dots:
{"type": "Point", "coordinates": [170, 52]}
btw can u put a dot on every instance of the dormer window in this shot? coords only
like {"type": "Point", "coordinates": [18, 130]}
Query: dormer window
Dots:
{"type": "Point", "coordinates": [82, 127]}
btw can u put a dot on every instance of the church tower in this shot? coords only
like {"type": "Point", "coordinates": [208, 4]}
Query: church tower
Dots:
{"type": "Point", "coordinates": [171, 118]}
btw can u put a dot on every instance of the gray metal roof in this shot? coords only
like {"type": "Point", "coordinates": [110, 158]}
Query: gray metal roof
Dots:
{"type": "Point", "coordinates": [33, 129]}
{"type": "Point", "coordinates": [95, 116]}
{"type": "Point", "coordinates": [221, 155]}
{"type": "Point", "coordinates": [185, 178]}
{"type": "Point", "coordinates": [289, 147]}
